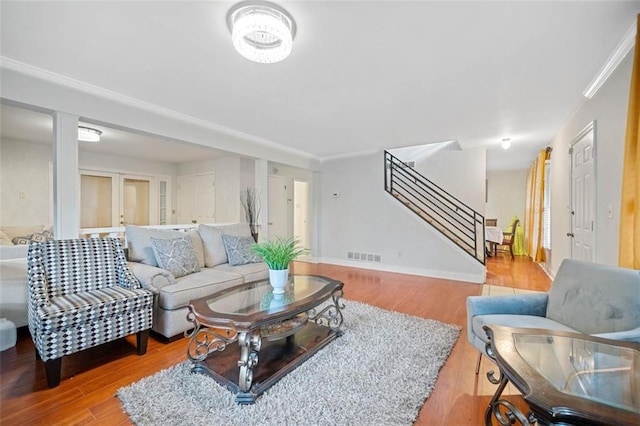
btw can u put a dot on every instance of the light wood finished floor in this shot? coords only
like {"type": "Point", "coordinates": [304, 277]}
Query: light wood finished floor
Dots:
{"type": "Point", "coordinates": [90, 379]}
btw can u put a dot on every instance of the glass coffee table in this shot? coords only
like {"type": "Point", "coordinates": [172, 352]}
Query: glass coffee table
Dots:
{"type": "Point", "coordinates": [565, 378]}
{"type": "Point", "coordinates": [247, 338]}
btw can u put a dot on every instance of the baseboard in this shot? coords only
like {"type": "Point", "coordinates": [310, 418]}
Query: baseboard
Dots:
{"type": "Point", "coordinates": [479, 278]}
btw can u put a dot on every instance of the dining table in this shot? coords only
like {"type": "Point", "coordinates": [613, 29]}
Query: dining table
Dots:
{"type": "Point", "coordinates": [493, 235]}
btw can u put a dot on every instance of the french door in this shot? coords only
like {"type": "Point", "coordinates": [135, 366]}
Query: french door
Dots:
{"type": "Point", "coordinates": [114, 199]}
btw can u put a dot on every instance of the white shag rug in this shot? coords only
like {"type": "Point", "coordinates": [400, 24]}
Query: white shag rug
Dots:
{"type": "Point", "coordinates": [379, 372]}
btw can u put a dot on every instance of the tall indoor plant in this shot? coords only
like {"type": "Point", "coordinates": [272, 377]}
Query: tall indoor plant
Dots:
{"type": "Point", "coordinates": [278, 254]}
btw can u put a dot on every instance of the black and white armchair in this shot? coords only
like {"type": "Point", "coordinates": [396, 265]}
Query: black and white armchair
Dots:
{"type": "Point", "coordinates": [82, 294]}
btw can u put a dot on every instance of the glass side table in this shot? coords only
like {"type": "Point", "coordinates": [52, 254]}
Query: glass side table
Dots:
{"type": "Point", "coordinates": [565, 378]}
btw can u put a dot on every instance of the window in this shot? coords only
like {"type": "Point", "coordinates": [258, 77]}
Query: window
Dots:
{"type": "Point", "coordinates": [546, 218]}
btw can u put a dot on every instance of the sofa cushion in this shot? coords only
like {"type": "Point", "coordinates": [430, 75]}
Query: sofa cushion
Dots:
{"type": "Point", "coordinates": [140, 248]}
{"type": "Point", "coordinates": [239, 250]}
{"type": "Point", "coordinates": [194, 286]}
{"type": "Point", "coordinates": [69, 311]}
{"type": "Point", "coordinates": [214, 251]}
{"type": "Point", "coordinates": [176, 255]}
{"type": "Point", "coordinates": [594, 298]}
{"type": "Point", "coordinates": [250, 271]}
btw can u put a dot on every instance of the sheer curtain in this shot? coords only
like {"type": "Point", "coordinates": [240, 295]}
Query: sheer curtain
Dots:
{"type": "Point", "coordinates": [534, 207]}
{"type": "Point", "coordinates": [629, 248]}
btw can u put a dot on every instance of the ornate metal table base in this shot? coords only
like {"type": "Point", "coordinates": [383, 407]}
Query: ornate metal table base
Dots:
{"type": "Point", "coordinates": [293, 349]}
{"type": "Point", "coordinates": [504, 411]}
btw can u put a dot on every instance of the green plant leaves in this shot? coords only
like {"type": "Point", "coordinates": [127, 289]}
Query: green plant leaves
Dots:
{"type": "Point", "coordinates": [278, 253]}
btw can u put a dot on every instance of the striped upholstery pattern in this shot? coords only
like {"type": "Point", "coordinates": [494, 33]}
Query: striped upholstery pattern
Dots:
{"type": "Point", "coordinates": [82, 294]}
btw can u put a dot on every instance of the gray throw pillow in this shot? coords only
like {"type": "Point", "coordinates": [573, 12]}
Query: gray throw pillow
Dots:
{"type": "Point", "coordinates": [239, 250]}
{"type": "Point", "coordinates": [176, 255]}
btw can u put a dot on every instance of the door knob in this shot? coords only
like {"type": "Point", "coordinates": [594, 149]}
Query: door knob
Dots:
{"type": "Point", "coordinates": [570, 234]}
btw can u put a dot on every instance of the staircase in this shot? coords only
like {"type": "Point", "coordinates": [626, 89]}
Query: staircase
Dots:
{"type": "Point", "coordinates": [444, 212]}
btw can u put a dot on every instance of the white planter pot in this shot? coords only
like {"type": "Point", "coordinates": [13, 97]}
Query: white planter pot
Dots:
{"type": "Point", "coordinates": [278, 280]}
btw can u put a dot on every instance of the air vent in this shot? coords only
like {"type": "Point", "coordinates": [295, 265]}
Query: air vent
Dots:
{"type": "Point", "coordinates": [403, 165]}
{"type": "Point", "coordinates": [364, 257]}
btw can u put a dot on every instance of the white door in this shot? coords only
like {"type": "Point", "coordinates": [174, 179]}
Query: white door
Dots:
{"type": "Point", "coordinates": [278, 212]}
{"type": "Point", "coordinates": [196, 199]}
{"type": "Point", "coordinates": [99, 199]}
{"type": "Point", "coordinates": [300, 212]}
{"type": "Point", "coordinates": [583, 193]}
{"type": "Point", "coordinates": [138, 195]}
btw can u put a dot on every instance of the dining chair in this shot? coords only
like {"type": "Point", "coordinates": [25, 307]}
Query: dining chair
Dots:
{"type": "Point", "coordinates": [508, 239]}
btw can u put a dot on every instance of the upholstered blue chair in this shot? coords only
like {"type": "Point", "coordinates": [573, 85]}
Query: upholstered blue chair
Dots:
{"type": "Point", "coordinates": [585, 297]}
{"type": "Point", "coordinates": [82, 294]}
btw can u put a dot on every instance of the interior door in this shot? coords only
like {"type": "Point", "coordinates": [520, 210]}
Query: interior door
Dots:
{"type": "Point", "coordinates": [197, 199]}
{"type": "Point", "coordinates": [137, 197]}
{"type": "Point", "coordinates": [300, 212]}
{"type": "Point", "coordinates": [99, 195]}
{"type": "Point", "coordinates": [278, 214]}
{"type": "Point", "coordinates": [583, 193]}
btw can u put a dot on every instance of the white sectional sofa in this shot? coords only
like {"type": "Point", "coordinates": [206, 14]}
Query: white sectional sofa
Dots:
{"type": "Point", "coordinates": [14, 244]}
{"type": "Point", "coordinates": [214, 271]}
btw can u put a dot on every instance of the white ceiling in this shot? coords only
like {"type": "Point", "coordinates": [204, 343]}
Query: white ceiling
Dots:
{"type": "Point", "coordinates": [23, 125]}
{"type": "Point", "coordinates": [363, 75]}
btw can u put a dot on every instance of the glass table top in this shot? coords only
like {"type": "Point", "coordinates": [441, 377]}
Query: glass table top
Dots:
{"type": "Point", "coordinates": [593, 370]}
{"type": "Point", "coordinates": [258, 296]}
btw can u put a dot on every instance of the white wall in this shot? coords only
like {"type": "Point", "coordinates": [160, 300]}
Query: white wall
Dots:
{"type": "Point", "coordinates": [506, 196]}
{"type": "Point", "coordinates": [609, 108]}
{"type": "Point", "coordinates": [232, 175]}
{"type": "Point", "coordinates": [364, 218]}
{"type": "Point", "coordinates": [25, 183]}
{"type": "Point", "coordinates": [25, 168]}
{"type": "Point", "coordinates": [460, 173]}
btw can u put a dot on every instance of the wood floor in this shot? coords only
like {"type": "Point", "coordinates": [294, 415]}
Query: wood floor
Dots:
{"type": "Point", "coordinates": [91, 378]}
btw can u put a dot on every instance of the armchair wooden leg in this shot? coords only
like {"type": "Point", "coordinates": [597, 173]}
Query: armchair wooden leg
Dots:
{"type": "Point", "coordinates": [478, 362]}
{"type": "Point", "coordinates": [52, 368]}
{"type": "Point", "coordinates": [142, 337]}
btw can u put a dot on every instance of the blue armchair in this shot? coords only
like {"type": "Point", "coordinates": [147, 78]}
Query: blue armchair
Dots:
{"type": "Point", "coordinates": [585, 297]}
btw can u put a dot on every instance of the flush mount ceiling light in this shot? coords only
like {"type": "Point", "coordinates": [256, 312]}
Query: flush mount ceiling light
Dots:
{"type": "Point", "coordinates": [261, 31]}
{"type": "Point", "coordinates": [88, 134]}
{"type": "Point", "coordinates": [506, 143]}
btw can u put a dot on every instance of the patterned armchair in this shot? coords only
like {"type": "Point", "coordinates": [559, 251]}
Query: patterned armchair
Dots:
{"type": "Point", "coordinates": [82, 294]}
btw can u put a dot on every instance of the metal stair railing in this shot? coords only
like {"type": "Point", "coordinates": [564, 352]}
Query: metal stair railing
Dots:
{"type": "Point", "coordinates": [444, 212]}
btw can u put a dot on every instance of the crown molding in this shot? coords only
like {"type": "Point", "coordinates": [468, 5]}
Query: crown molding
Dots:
{"type": "Point", "coordinates": [61, 80]}
{"type": "Point", "coordinates": [624, 47]}
{"type": "Point", "coordinates": [350, 155]}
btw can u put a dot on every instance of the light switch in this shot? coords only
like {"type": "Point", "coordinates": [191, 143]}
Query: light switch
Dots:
{"type": "Point", "coordinates": [610, 211]}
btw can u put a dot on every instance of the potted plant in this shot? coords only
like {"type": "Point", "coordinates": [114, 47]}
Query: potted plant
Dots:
{"type": "Point", "coordinates": [277, 254]}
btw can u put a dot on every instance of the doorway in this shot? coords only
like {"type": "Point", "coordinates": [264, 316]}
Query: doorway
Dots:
{"type": "Point", "coordinates": [300, 212]}
{"type": "Point", "coordinates": [114, 200]}
{"type": "Point", "coordinates": [583, 194]}
{"type": "Point", "coordinates": [278, 207]}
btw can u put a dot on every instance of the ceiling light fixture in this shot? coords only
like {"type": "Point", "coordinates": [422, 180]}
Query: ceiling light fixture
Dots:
{"type": "Point", "coordinates": [261, 31]}
{"type": "Point", "coordinates": [88, 134]}
{"type": "Point", "coordinates": [506, 143]}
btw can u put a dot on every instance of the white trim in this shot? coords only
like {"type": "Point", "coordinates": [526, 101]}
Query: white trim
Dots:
{"type": "Point", "coordinates": [447, 275]}
{"type": "Point", "coordinates": [350, 155]}
{"type": "Point", "coordinates": [623, 48]}
{"type": "Point", "coordinates": [51, 77]}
